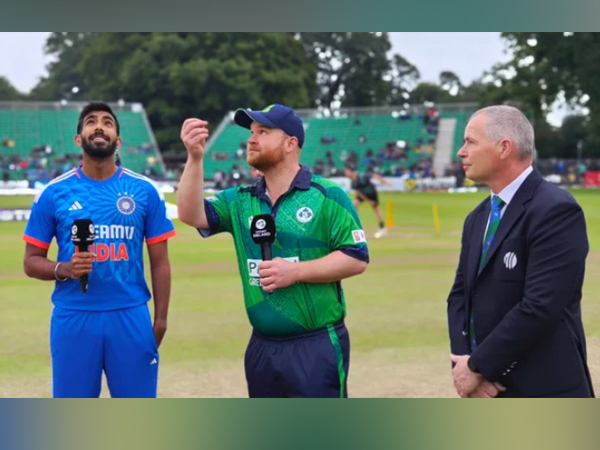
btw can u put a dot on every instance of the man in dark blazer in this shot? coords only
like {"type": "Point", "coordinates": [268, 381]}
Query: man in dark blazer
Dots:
{"type": "Point", "coordinates": [514, 311]}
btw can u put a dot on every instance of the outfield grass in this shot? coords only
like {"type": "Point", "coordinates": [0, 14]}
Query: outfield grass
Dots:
{"type": "Point", "coordinates": [397, 309]}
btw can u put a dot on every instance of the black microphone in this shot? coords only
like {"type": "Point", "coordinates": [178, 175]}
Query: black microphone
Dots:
{"type": "Point", "coordinates": [263, 234]}
{"type": "Point", "coordinates": [83, 234]}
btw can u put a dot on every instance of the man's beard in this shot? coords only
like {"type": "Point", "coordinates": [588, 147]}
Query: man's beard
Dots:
{"type": "Point", "coordinates": [264, 161]}
{"type": "Point", "coordinates": [99, 153]}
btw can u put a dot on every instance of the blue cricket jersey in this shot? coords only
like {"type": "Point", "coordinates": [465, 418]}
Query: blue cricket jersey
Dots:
{"type": "Point", "coordinates": [126, 210]}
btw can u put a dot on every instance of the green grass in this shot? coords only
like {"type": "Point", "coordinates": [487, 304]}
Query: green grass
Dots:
{"type": "Point", "coordinates": [397, 307]}
{"type": "Point", "coordinates": [16, 201]}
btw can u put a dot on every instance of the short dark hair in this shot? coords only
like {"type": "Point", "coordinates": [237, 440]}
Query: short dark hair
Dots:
{"type": "Point", "coordinates": [96, 107]}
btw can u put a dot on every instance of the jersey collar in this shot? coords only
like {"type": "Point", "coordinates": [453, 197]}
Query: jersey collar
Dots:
{"type": "Point", "coordinates": [301, 181]}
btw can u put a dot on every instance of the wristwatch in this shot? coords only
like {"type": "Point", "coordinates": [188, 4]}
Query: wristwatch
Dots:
{"type": "Point", "coordinates": [471, 366]}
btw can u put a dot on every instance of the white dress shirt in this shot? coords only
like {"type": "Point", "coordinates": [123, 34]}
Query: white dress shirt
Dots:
{"type": "Point", "coordinates": [508, 193]}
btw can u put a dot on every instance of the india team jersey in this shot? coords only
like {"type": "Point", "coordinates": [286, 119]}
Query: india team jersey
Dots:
{"type": "Point", "coordinates": [126, 211]}
{"type": "Point", "coordinates": [313, 219]}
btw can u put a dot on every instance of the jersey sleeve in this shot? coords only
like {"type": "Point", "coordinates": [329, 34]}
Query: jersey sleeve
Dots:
{"type": "Point", "coordinates": [41, 227]}
{"type": "Point", "coordinates": [347, 234]}
{"type": "Point", "coordinates": [158, 227]}
{"type": "Point", "coordinates": [218, 213]}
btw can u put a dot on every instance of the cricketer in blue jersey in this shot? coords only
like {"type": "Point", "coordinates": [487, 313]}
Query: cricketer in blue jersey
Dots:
{"type": "Point", "coordinates": [107, 329]}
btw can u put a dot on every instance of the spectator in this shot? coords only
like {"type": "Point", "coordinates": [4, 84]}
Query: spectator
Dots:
{"type": "Point", "coordinates": [581, 170]}
{"type": "Point", "coordinates": [219, 178]}
{"type": "Point", "coordinates": [319, 168]}
{"type": "Point", "coordinates": [329, 159]}
{"type": "Point", "coordinates": [382, 156]}
{"type": "Point", "coordinates": [352, 158]}
{"type": "Point", "coordinates": [369, 161]}
{"type": "Point", "coordinates": [236, 176]}
{"type": "Point", "coordinates": [326, 140]}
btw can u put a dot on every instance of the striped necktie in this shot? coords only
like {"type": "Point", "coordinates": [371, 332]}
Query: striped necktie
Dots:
{"type": "Point", "coordinates": [497, 205]}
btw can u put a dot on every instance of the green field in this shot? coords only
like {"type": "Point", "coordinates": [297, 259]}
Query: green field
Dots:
{"type": "Point", "coordinates": [396, 310]}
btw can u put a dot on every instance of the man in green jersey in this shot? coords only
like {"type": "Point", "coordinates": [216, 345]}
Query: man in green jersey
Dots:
{"type": "Point", "coordinates": [295, 303]}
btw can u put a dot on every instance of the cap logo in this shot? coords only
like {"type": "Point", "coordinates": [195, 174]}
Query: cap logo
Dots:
{"type": "Point", "coordinates": [268, 108]}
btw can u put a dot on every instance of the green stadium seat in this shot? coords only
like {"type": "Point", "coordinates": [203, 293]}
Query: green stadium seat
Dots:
{"type": "Point", "coordinates": [378, 131]}
{"type": "Point", "coordinates": [30, 129]}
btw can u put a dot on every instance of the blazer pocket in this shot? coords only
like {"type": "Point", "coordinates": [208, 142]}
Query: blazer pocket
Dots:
{"type": "Point", "coordinates": [512, 260]}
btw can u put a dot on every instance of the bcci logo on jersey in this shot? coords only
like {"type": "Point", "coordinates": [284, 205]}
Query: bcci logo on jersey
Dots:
{"type": "Point", "coordinates": [126, 205]}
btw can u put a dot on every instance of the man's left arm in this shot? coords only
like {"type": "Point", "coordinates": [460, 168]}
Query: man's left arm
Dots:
{"type": "Point", "coordinates": [555, 267]}
{"type": "Point", "coordinates": [160, 270]}
{"type": "Point", "coordinates": [279, 273]}
{"type": "Point", "coordinates": [331, 268]}
{"type": "Point", "coordinates": [158, 230]}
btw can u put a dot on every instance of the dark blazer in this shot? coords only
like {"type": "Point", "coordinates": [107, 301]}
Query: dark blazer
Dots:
{"type": "Point", "coordinates": [526, 300]}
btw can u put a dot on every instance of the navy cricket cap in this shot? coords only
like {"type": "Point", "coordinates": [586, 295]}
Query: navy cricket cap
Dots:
{"type": "Point", "coordinates": [273, 116]}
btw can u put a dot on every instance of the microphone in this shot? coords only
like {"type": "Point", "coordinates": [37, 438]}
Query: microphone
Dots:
{"type": "Point", "coordinates": [83, 234]}
{"type": "Point", "coordinates": [263, 234]}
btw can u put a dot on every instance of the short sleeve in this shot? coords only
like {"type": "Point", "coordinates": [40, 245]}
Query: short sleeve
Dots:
{"type": "Point", "coordinates": [347, 234]}
{"type": "Point", "coordinates": [41, 226]}
{"type": "Point", "coordinates": [218, 213]}
{"type": "Point", "coordinates": [158, 227]}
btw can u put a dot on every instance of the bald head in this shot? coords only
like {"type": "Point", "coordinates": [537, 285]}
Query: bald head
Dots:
{"type": "Point", "coordinates": [507, 122]}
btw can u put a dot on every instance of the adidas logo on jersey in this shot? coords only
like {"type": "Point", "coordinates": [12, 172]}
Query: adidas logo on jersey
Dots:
{"type": "Point", "coordinates": [154, 361]}
{"type": "Point", "coordinates": [75, 207]}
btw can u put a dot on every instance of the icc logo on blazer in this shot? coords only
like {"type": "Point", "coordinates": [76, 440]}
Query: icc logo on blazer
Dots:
{"type": "Point", "coordinates": [510, 260]}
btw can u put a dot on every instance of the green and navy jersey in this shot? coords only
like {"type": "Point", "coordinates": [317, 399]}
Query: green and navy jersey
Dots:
{"type": "Point", "coordinates": [126, 210]}
{"type": "Point", "coordinates": [313, 219]}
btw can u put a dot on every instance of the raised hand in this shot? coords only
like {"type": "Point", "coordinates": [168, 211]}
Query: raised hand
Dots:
{"type": "Point", "coordinates": [194, 135]}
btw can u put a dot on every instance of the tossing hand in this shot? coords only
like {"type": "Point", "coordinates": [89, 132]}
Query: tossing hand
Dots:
{"type": "Point", "coordinates": [194, 135]}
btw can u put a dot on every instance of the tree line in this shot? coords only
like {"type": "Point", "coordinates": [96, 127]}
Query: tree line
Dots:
{"type": "Point", "coordinates": [180, 75]}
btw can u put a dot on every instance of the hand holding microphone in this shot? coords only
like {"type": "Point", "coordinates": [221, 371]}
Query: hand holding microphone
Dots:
{"type": "Point", "coordinates": [83, 234]}
{"type": "Point", "coordinates": [274, 273]}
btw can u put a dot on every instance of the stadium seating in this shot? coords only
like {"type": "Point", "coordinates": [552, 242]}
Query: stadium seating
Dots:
{"type": "Point", "coordinates": [334, 134]}
{"type": "Point", "coordinates": [462, 118]}
{"type": "Point", "coordinates": [56, 128]}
